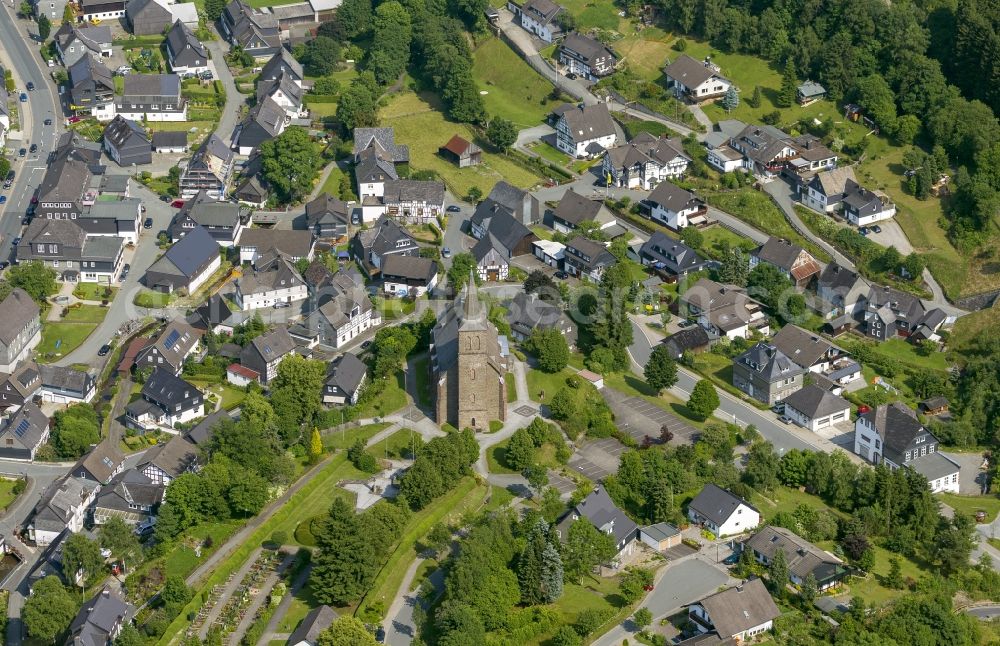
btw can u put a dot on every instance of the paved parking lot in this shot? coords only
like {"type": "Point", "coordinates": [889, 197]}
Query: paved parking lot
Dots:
{"type": "Point", "coordinates": [639, 418]}
{"type": "Point", "coordinates": [563, 485]}
{"type": "Point", "coordinates": [598, 459]}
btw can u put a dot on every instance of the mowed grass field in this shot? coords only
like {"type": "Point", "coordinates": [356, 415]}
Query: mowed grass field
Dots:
{"type": "Point", "coordinates": [424, 129]}
{"type": "Point", "coordinates": [514, 90]}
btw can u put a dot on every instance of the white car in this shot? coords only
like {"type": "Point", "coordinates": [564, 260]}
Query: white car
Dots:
{"type": "Point", "coordinates": [52, 63]}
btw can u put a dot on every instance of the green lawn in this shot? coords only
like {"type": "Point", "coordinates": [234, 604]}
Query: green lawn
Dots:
{"type": "Point", "coordinates": [95, 292]}
{"type": "Point", "coordinates": [391, 399]}
{"type": "Point", "coordinates": [84, 314]}
{"type": "Point", "coordinates": [717, 238]}
{"type": "Point", "coordinates": [511, 389]}
{"type": "Point", "coordinates": [546, 151]}
{"type": "Point", "coordinates": [594, 593]}
{"type": "Point", "coordinates": [7, 495]}
{"type": "Point", "coordinates": [332, 183]}
{"type": "Point", "coordinates": [645, 52]}
{"type": "Point", "coordinates": [870, 588]}
{"type": "Point", "coordinates": [496, 458]}
{"type": "Point", "coordinates": [958, 274]}
{"type": "Point", "coordinates": [399, 445]}
{"type": "Point", "coordinates": [181, 559]}
{"type": "Point", "coordinates": [421, 126]}
{"type": "Point", "coordinates": [149, 298]}
{"type": "Point", "coordinates": [543, 382]}
{"type": "Point", "coordinates": [514, 90]}
{"type": "Point", "coordinates": [989, 503]}
{"type": "Point", "coordinates": [906, 353]}
{"type": "Point", "coordinates": [231, 396]}
{"type": "Point", "coordinates": [59, 339]}
{"type": "Point", "coordinates": [589, 14]}
{"type": "Point", "coordinates": [974, 325]}
{"type": "Point", "coordinates": [344, 439]}
{"type": "Point", "coordinates": [466, 495]}
{"type": "Point", "coordinates": [421, 376]}
{"type": "Point", "coordinates": [756, 209]}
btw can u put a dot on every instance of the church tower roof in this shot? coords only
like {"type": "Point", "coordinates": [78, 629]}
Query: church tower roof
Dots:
{"type": "Point", "coordinates": [473, 314]}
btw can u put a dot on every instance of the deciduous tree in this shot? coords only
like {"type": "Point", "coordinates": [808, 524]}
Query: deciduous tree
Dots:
{"type": "Point", "coordinates": [82, 557]}
{"type": "Point", "coordinates": [290, 162]}
{"type": "Point", "coordinates": [346, 631]}
{"type": "Point", "coordinates": [501, 133]}
{"type": "Point", "coordinates": [703, 400]}
{"type": "Point", "coordinates": [661, 369]}
{"type": "Point", "coordinates": [49, 610]}
{"type": "Point", "coordinates": [551, 349]}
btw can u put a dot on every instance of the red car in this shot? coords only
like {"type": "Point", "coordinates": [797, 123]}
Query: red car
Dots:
{"type": "Point", "coordinates": [74, 120]}
{"type": "Point", "coordinates": [177, 204]}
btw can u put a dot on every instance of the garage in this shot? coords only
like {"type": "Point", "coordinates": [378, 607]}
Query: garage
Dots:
{"type": "Point", "coordinates": [815, 408]}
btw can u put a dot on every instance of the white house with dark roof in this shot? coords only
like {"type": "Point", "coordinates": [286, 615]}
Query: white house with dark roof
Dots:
{"type": "Point", "coordinates": [675, 207]}
{"type": "Point", "coordinates": [185, 53]}
{"type": "Point", "coordinates": [259, 244]}
{"type": "Point", "coordinates": [890, 312]}
{"type": "Point", "coordinates": [814, 353]}
{"type": "Point", "coordinates": [265, 352]}
{"type": "Point", "coordinates": [272, 283]}
{"type": "Point", "coordinates": [172, 347]}
{"type": "Point", "coordinates": [221, 219]}
{"type": "Point", "coordinates": [574, 208]}
{"type": "Point", "coordinates": [347, 310]}
{"type": "Point", "coordinates": [814, 407]}
{"type": "Point", "coordinates": [670, 257]}
{"type": "Point", "coordinates": [64, 385]}
{"type": "Point", "coordinates": [188, 264]}
{"type": "Point", "coordinates": [255, 30]}
{"type": "Point", "coordinates": [722, 512]}
{"type": "Point", "coordinates": [539, 17]}
{"type": "Point", "coordinates": [126, 142]}
{"type": "Point", "coordinates": [601, 511]}
{"type": "Point", "coordinates": [309, 629]}
{"type": "Point", "coordinates": [586, 56]}
{"type": "Point", "coordinates": [370, 247]}
{"type": "Point", "coordinates": [73, 42]}
{"type": "Point", "coordinates": [863, 207]}
{"type": "Point", "coordinates": [23, 432]}
{"type": "Point", "coordinates": [166, 401]}
{"type": "Point", "coordinates": [724, 310]}
{"type": "Point", "coordinates": [892, 435]}
{"type": "Point", "coordinates": [376, 154]}
{"type": "Point", "coordinates": [101, 619]}
{"type": "Point", "coordinates": [101, 463]}
{"type": "Point", "coordinates": [91, 88]}
{"type": "Point", "coordinates": [63, 506]}
{"type": "Point", "coordinates": [527, 313]}
{"type": "Point", "coordinates": [328, 216]}
{"type": "Point", "coordinates": [345, 377]}
{"type": "Point", "coordinates": [645, 161]}
{"type": "Point", "coordinates": [802, 557]}
{"type": "Point", "coordinates": [695, 80]}
{"type": "Point", "coordinates": [825, 190]}
{"type": "Point", "coordinates": [152, 97]}
{"type": "Point", "coordinates": [210, 169]}
{"type": "Point", "coordinates": [409, 275]}
{"type": "Point", "coordinates": [738, 613]}
{"type": "Point", "coordinates": [584, 257]}
{"type": "Point", "coordinates": [585, 131]}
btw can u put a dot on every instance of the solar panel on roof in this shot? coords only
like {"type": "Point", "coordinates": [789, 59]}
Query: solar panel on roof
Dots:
{"type": "Point", "coordinates": [108, 462]}
{"type": "Point", "coordinates": [22, 428]}
{"type": "Point", "coordinates": [267, 349]}
{"type": "Point", "coordinates": [171, 339]}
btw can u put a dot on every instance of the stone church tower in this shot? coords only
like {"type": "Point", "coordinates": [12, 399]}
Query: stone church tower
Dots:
{"type": "Point", "coordinates": [467, 366]}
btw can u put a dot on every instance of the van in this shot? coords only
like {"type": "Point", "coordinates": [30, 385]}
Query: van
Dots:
{"type": "Point", "coordinates": [145, 528]}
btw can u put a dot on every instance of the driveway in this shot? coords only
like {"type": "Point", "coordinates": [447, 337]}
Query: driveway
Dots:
{"type": "Point", "coordinates": [677, 586]}
{"type": "Point", "coordinates": [234, 100]}
{"type": "Point", "coordinates": [971, 477]}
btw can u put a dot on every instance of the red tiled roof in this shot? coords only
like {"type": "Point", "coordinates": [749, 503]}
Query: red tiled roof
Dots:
{"type": "Point", "coordinates": [243, 371]}
{"type": "Point", "coordinates": [456, 145]}
{"type": "Point", "coordinates": [134, 347]}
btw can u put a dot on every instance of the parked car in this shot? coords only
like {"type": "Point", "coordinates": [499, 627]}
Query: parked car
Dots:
{"type": "Point", "coordinates": [30, 86]}
{"type": "Point", "coordinates": [785, 419]}
{"type": "Point", "coordinates": [147, 223]}
{"type": "Point", "coordinates": [7, 183]}
{"type": "Point", "coordinates": [105, 349]}
{"type": "Point", "coordinates": [26, 220]}
{"type": "Point", "coordinates": [165, 198]}
{"type": "Point", "coordinates": [365, 344]}
{"type": "Point", "coordinates": [876, 228]}
{"type": "Point", "coordinates": [33, 149]}
{"type": "Point", "coordinates": [445, 252]}
{"type": "Point", "coordinates": [453, 208]}
{"type": "Point", "coordinates": [15, 241]}
{"type": "Point", "coordinates": [177, 204]}
{"type": "Point", "coordinates": [48, 122]}
{"type": "Point", "coordinates": [22, 152]}
{"type": "Point", "coordinates": [24, 97]}
{"type": "Point", "coordinates": [3, 199]}
{"type": "Point", "coordinates": [74, 120]}
{"type": "Point", "coordinates": [4, 264]}
{"type": "Point", "coordinates": [280, 305]}
{"type": "Point", "coordinates": [125, 271]}
{"type": "Point", "coordinates": [863, 231]}
{"type": "Point", "coordinates": [52, 63]}
{"type": "Point", "coordinates": [561, 275]}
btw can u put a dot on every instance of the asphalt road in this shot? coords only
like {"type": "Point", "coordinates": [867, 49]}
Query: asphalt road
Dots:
{"type": "Point", "coordinates": [42, 104]}
{"type": "Point", "coordinates": [680, 584]}
{"type": "Point", "coordinates": [730, 408]}
{"type": "Point", "coordinates": [121, 308]}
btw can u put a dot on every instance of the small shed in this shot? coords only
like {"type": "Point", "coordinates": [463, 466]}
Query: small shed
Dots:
{"type": "Point", "coordinates": [810, 92]}
{"type": "Point", "coordinates": [240, 375]}
{"type": "Point", "coordinates": [839, 325]}
{"type": "Point", "coordinates": [462, 152]}
{"type": "Point", "coordinates": [934, 405]}
{"type": "Point", "coordinates": [592, 377]}
{"type": "Point", "coordinates": [661, 536]}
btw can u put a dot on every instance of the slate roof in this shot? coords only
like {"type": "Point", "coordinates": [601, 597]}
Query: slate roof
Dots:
{"type": "Point", "coordinates": [674, 255]}
{"type": "Point", "coordinates": [131, 487]}
{"type": "Point", "coordinates": [318, 620]}
{"type": "Point", "coordinates": [317, 275]}
{"type": "Point", "coordinates": [215, 311]}
{"type": "Point", "coordinates": [508, 231]}
{"type": "Point", "coordinates": [811, 89]}
{"type": "Point", "coordinates": [740, 608]}
{"type": "Point", "coordinates": [96, 621]}
{"type": "Point", "coordinates": [65, 379]}
{"type": "Point", "coordinates": [411, 190]}
{"type": "Point", "coordinates": [326, 208]}
{"type": "Point", "coordinates": [188, 254]}
{"type": "Point", "coordinates": [202, 433]}
{"type": "Point", "coordinates": [57, 503]}
{"type": "Point", "coordinates": [167, 389]}
{"type": "Point", "coordinates": [90, 68]}
{"type": "Point", "coordinates": [384, 236]}
{"type": "Point", "coordinates": [210, 213]}
{"type": "Point", "coordinates": [769, 362]}
{"type": "Point", "coordinates": [176, 340]}
{"type": "Point", "coordinates": [272, 345]}
{"type": "Point", "coordinates": [864, 201]}
{"type": "Point", "coordinates": [783, 254]}
{"type": "Point", "coordinates": [144, 85]}
{"type": "Point", "coordinates": [528, 312]}
{"type": "Point", "coordinates": [934, 465]}
{"type": "Point", "coordinates": [180, 38]}
{"type": "Point", "coordinates": [277, 274]}
{"type": "Point", "coordinates": [814, 401]}
{"type": "Point", "coordinates": [16, 312]}
{"type": "Point", "coordinates": [801, 346]}
{"type": "Point", "coordinates": [673, 198]}
{"type": "Point", "coordinates": [542, 11]}
{"type": "Point", "coordinates": [574, 208]}
{"type": "Point", "coordinates": [898, 425]}
{"type": "Point", "coordinates": [589, 122]}
{"type": "Point", "coordinates": [515, 200]}
{"type": "Point", "coordinates": [383, 141]}
{"type": "Point", "coordinates": [689, 339]}
{"type": "Point", "coordinates": [26, 426]}
{"type": "Point", "coordinates": [716, 504]}
{"type": "Point", "coordinates": [690, 72]}
{"type": "Point", "coordinates": [645, 148]}
{"type": "Point", "coordinates": [101, 461]}
{"type": "Point", "coordinates": [346, 373]}
{"type": "Point", "coordinates": [173, 457]}
{"type": "Point", "coordinates": [602, 512]}
{"type": "Point", "coordinates": [908, 305]}
{"type": "Point", "coordinates": [411, 267]}
{"type": "Point", "coordinates": [803, 558]}
{"type": "Point", "coordinates": [169, 138]}
{"type": "Point", "coordinates": [294, 243]}
{"type": "Point", "coordinates": [268, 115]}
{"type": "Point", "coordinates": [587, 47]}
{"type": "Point", "coordinates": [283, 59]}
{"type": "Point", "coordinates": [837, 278]}
{"type": "Point", "coordinates": [598, 253]}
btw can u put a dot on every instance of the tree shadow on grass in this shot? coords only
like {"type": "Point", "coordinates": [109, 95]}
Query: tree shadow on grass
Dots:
{"type": "Point", "coordinates": [616, 600]}
{"type": "Point", "coordinates": [641, 386]}
{"type": "Point", "coordinates": [685, 412]}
